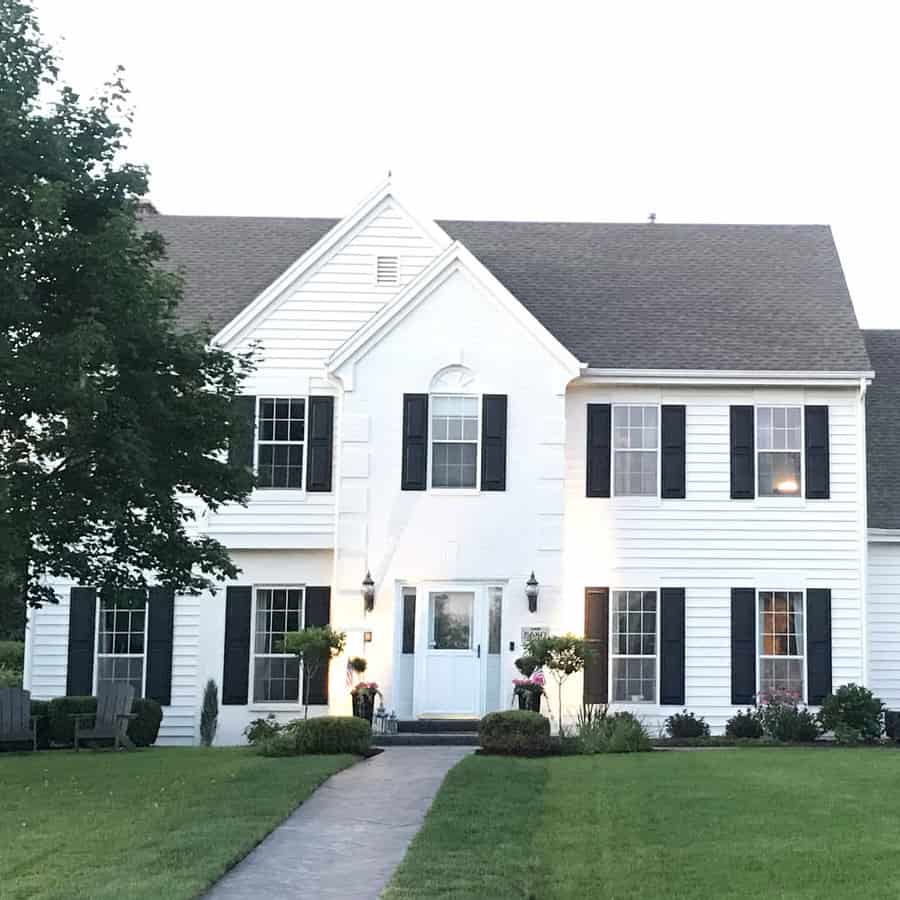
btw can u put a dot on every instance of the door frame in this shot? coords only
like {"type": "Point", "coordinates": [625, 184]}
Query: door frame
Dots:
{"type": "Point", "coordinates": [479, 637]}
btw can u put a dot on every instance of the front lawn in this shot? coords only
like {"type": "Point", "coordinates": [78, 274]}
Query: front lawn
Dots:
{"type": "Point", "coordinates": [718, 823]}
{"type": "Point", "coordinates": [156, 823]}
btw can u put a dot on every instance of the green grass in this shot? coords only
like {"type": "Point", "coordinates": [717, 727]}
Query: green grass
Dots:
{"type": "Point", "coordinates": [723, 824]}
{"type": "Point", "coordinates": [157, 823]}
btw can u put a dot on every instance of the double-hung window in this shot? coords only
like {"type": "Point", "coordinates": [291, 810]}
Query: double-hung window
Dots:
{"type": "Point", "coordinates": [779, 443]}
{"type": "Point", "coordinates": [781, 644]}
{"type": "Point", "coordinates": [276, 674]}
{"type": "Point", "coordinates": [280, 440]}
{"type": "Point", "coordinates": [122, 639]}
{"type": "Point", "coordinates": [634, 622]}
{"type": "Point", "coordinates": [454, 441]}
{"type": "Point", "coordinates": [636, 450]}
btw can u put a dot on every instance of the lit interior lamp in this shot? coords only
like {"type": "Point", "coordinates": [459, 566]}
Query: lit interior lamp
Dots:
{"type": "Point", "coordinates": [531, 592]}
{"type": "Point", "coordinates": [788, 486]}
{"type": "Point", "coordinates": [368, 592]}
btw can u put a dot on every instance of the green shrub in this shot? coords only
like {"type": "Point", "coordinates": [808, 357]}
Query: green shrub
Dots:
{"type": "Point", "coordinates": [853, 713]}
{"type": "Point", "coordinates": [783, 719]}
{"type": "Point", "coordinates": [526, 665]}
{"type": "Point", "coordinates": [744, 725]}
{"type": "Point", "coordinates": [686, 725]}
{"type": "Point", "coordinates": [209, 713]}
{"type": "Point", "coordinates": [260, 730]}
{"type": "Point", "coordinates": [12, 655]}
{"type": "Point", "coordinates": [599, 732]}
{"type": "Point", "coordinates": [324, 734]}
{"type": "Point", "coordinates": [142, 730]}
{"type": "Point", "coordinates": [515, 732]}
{"type": "Point", "coordinates": [10, 677]}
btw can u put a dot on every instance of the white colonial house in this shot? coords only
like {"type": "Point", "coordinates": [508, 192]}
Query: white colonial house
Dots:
{"type": "Point", "coordinates": [666, 424]}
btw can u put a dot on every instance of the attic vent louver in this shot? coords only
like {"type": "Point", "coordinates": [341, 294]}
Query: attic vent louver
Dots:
{"type": "Point", "coordinates": [387, 270]}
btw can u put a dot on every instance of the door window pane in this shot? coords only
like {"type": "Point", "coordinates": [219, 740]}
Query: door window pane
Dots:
{"type": "Point", "coordinates": [451, 616]}
{"type": "Point", "coordinates": [495, 613]}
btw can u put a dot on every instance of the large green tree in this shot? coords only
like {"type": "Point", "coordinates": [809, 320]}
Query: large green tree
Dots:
{"type": "Point", "coordinates": [109, 414]}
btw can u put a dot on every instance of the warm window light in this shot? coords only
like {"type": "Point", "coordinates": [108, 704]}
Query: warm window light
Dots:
{"type": "Point", "coordinates": [788, 486]}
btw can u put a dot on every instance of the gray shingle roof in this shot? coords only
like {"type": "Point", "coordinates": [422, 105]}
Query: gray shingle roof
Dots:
{"type": "Point", "coordinates": [883, 429]}
{"type": "Point", "coordinates": [757, 297]}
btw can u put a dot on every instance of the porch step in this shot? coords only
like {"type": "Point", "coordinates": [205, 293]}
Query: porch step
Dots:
{"type": "Point", "coordinates": [437, 726]}
{"type": "Point", "coordinates": [427, 739]}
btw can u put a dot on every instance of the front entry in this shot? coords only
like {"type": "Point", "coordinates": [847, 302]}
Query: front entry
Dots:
{"type": "Point", "coordinates": [452, 638]}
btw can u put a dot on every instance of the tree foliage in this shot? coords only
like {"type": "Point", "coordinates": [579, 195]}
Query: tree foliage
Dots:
{"type": "Point", "coordinates": [314, 647]}
{"type": "Point", "coordinates": [109, 413]}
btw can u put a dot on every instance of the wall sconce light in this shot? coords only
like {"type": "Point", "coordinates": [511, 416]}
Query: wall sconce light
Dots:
{"type": "Point", "coordinates": [531, 592]}
{"type": "Point", "coordinates": [368, 592]}
{"type": "Point", "coordinates": [367, 637]}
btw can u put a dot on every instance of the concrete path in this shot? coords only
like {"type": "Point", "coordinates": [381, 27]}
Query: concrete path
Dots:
{"type": "Point", "coordinates": [349, 836]}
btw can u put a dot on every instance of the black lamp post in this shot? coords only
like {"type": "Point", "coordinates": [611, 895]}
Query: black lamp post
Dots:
{"type": "Point", "coordinates": [531, 592]}
{"type": "Point", "coordinates": [368, 592]}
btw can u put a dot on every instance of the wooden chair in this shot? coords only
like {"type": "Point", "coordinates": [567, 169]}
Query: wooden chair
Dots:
{"type": "Point", "coordinates": [111, 719]}
{"type": "Point", "coordinates": [17, 724]}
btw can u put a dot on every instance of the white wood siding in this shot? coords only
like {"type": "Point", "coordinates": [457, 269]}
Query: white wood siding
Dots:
{"type": "Point", "coordinates": [709, 543]}
{"type": "Point", "coordinates": [884, 621]}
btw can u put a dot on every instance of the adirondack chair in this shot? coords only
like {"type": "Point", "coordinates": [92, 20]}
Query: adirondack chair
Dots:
{"type": "Point", "coordinates": [17, 725]}
{"type": "Point", "coordinates": [111, 719]}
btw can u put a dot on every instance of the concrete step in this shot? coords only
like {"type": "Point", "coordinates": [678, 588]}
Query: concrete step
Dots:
{"type": "Point", "coordinates": [427, 739]}
{"type": "Point", "coordinates": [437, 726]}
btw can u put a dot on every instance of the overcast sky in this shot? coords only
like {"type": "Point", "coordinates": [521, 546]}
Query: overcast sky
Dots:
{"type": "Point", "coordinates": [701, 112]}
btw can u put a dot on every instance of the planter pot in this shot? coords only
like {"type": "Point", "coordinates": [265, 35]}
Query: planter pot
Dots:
{"type": "Point", "coordinates": [531, 702]}
{"type": "Point", "coordinates": [363, 707]}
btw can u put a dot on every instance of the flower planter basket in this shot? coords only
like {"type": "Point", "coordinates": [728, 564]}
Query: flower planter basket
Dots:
{"type": "Point", "coordinates": [363, 706]}
{"type": "Point", "coordinates": [530, 700]}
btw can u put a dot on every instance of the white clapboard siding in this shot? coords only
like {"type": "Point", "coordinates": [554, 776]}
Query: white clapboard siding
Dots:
{"type": "Point", "coordinates": [294, 338]}
{"type": "Point", "coordinates": [884, 621]}
{"type": "Point", "coordinates": [709, 543]}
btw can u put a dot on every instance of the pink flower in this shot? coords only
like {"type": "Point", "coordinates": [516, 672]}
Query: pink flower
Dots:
{"type": "Point", "coordinates": [537, 678]}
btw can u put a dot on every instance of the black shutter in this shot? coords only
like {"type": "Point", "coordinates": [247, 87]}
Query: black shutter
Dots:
{"type": "Point", "coordinates": [818, 643]}
{"type": "Point", "coordinates": [243, 433]}
{"type": "Point", "coordinates": [319, 444]}
{"type": "Point", "coordinates": [743, 646]}
{"type": "Point", "coordinates": [414, 467]}
{"type": "Point", "coordinates": [236, 670]}
{"type": "Point", "coordinates": [598, 449]}
{"type": "Point", "coordinates": [673, 451]}
{"type": "Point", "coordinates": [409, 622]}
{"type": "Point", "coordinates": [818, 482]}
{"type": "Point", "coordinates": [82, 621]}
{"type": "Point", "coordinates": [671, 663]}
{"type": "Point", "coordinates": [743, 465]}
{"type": "Point", "coordinates": [493, 442]}
{"type": "Point", "coordinates": [160, 625]}
{"type": "Point", "coordinates": [596, 638]}
{"type": "Point", "coordinates": [317, 612]}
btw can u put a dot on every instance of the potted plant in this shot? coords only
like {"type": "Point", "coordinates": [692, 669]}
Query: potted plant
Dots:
{"type": "Point", "coordinates": [363, 696]}
{"type": "Point", "coordinates": [529, 689]}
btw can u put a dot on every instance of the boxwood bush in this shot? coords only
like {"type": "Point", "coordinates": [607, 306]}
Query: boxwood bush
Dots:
{"type": "Point", "coordinates": [744, 725]}
{"type": "Point", "coordinates": [515, 732]}
{"type": "Point", "coordinates": [686, 725]}
{"type": "Point", "coordinates": [323, 734]}
{"type": "Point", "coordinates": [143, 730]}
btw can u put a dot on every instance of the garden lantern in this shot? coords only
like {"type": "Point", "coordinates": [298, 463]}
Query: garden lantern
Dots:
{"type": "Point", "coordinates": [368, 592]}
{"type": "Point", "coordinates": [531, 592]}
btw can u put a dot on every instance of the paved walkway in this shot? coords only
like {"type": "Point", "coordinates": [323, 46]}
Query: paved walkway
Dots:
{"type": "Point", "coordinates": [350, 835]}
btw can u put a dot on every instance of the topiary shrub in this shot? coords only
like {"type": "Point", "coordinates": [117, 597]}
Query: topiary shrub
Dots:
{"type": "Point", "coordinates": [744, 725]}
{"type": "Point", "coordinates": [853, 713]}
{"type": "Point", "coordinates": [515, 732]}
{"type": "Point", "coordinates": [142, 730]}
{"type": "Point", "coordinates": [324, 734]}
{"type": "Point", "coordinates": [686, 725]}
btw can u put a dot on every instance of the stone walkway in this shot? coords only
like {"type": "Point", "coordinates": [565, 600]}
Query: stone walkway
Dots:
{"type": "Point", "coordinates": [350, 835]}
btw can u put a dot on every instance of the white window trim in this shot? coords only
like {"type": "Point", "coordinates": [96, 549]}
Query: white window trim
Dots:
{"type": "Point", "coordinates": [98, 655]}
{"type": "Point", "coordinates": [461, 491]}
{"type": "Point", "coordinates": [635, 498]}
{"type": "Point", "coordinates": [268, 491]}
{"type": "Point", "coordinates": [759, 654]}
{"type": "Point", "coordinates": [273, 705]}
{"type": "Point", "coordinates": [779, 498]}
{"type": "Point", "coordinates": [611, 690]}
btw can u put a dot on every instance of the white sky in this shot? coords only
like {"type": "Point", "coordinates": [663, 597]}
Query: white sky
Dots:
{"type": "Point", "coordinates": [701, 112]}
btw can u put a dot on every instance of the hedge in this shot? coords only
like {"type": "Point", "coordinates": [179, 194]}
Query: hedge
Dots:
{"type": "Point", "coordinates": [142, 730]}
{"type": "Point", "coordinates": [323, 734]}
{"type": "Point", "coordinates": [516, 732]}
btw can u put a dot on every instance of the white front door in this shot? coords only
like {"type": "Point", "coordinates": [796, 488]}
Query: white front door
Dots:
{"type": "Point", "coordinates": [451, 650]}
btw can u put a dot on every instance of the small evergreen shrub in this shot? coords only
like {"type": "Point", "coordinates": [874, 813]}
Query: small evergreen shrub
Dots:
{"type": "Point", "coordinates": [783, 719]}
{"type": "Point", "coordinates": [686, 725]}
{"type": "Point", "coordinates": [209, 713]}
{"type": "Point", "coordinates": [744, 725]}
{"type": "Point", "coordinates": [626, 734]}
{"type": "Point", "coordinates": [324, 734]}
{"type": "Point", "coordinates": [143, 730]}
{"type": "Point", "coordinates": [260, 730]}
{"type": "Point", "coordinates": [853, 713]}
{"type": "Point", "coordinates": [515, 732]}
{"type": "Point", "coordinates": [12, 655]}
